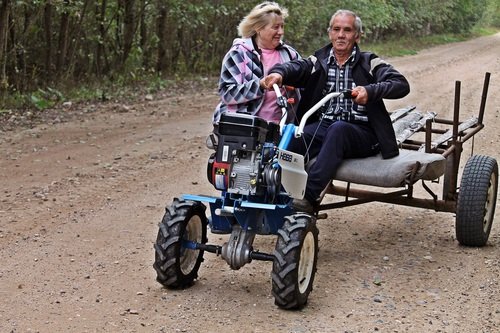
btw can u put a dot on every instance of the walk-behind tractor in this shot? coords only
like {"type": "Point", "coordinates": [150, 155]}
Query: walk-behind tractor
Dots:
{"type": "Point", "coordinates": [258, 180]}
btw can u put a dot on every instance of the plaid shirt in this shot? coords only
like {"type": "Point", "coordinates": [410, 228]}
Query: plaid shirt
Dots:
{"type": "Point", "coordinates": [340, 79]}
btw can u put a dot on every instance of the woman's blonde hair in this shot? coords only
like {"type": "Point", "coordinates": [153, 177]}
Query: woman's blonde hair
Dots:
{"type": "Point", "coordinates": [260, 16]}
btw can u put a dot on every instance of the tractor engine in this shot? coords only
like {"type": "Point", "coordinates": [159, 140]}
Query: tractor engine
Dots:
{"type": "Point", "coordinates": [244, 158]}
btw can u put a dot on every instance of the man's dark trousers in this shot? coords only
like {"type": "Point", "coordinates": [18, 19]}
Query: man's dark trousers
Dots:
{"type": "Point", "coordinates": [333, 142]}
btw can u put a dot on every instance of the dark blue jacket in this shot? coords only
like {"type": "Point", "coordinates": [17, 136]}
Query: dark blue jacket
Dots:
{"type": "Point", "coordinates": [380, 79]}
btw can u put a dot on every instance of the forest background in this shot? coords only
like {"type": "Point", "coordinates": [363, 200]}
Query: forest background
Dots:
{"type": "Point", "coordinates": [55, 50]}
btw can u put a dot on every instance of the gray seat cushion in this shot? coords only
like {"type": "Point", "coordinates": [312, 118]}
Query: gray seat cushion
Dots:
{"type": "Point", "coordinates": [393, 172]}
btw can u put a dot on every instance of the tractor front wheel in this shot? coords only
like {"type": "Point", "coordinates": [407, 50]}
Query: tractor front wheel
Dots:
{"type": "Point", "coordinates": [295, 259]}
{"type": "Point", "coordinates": [176, 261]}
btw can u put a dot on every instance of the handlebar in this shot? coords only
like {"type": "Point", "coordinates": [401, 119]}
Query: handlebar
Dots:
{"type": "Point", "coordinates": [300, 129]}
{"type": "Point", "coordinates": [282, 103]}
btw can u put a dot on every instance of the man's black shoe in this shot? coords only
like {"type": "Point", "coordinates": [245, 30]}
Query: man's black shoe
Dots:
{"type": "Point", "coordinates": [302, 205]}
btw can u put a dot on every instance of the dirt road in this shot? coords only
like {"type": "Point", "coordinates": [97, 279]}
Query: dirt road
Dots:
{"type": "Point", "coordinates": [81, 196]}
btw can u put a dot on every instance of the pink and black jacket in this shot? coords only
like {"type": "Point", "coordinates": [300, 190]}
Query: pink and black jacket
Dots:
{"type": "Point", "coordinates": [241, 72]}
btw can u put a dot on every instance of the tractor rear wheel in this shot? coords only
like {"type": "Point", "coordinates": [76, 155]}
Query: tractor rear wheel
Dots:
{"type": "Point", "coordinates": [477, 200]}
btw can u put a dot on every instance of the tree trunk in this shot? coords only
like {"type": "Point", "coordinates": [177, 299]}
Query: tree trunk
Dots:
{"type": "Point", "coordinates": [17, 69]}
{"type": "Point", "coordinates": [4, 19]}
{"type": "Point", "coordinates": [143, 35]}
{"type": "Point", "coordinates": [128, 28]}
{"type": "Point", "coordinates": [161, 24]}
{"type": "Point", "coordinates": [100, 16]}
{"type": "Point", "coordinates": [47, 22]}
{"type": "Point", "coordinates": [63, 39]}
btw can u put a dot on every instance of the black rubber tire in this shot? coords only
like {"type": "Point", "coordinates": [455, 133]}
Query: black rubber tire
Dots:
{"type": "Point", "coordinates": [176, 266]}
{"type": "Point", "coordinates": [476, 201]}
{"type": "Point", "coordinates": [295, 259]}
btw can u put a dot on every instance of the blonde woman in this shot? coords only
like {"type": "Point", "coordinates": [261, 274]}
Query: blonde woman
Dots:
{"type": "Point", "coordinates": [248, 61]}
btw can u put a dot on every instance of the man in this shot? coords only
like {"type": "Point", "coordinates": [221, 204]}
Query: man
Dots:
{"type": "Point", "coordinates": [344, 128]}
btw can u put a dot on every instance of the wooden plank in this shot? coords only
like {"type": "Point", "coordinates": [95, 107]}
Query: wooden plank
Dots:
{"type": "Point", "coordinates": [448, 134]}
{"type": "Point", "coordinates": [403, 123]}
{"type": "Point", "coordinates": [399, 113]}
{"type": "Point", "coordinates": [412, 125]}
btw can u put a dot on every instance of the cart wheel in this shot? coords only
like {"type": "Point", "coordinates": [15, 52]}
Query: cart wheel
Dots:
{"type": "Point", "coordinates": [176, 265]}
{"type": "Point", "coordinates": [476, 201]}
{"type": "Point", "coordinates": [294, 265]}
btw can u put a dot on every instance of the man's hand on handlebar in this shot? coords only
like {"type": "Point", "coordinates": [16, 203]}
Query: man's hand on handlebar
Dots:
{"type": "Point", "coordinates": [359, 95]}
{"type": "Point", "coordinates": [268, 81]}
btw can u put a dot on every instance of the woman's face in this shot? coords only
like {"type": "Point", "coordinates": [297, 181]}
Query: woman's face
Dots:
{"type": "Point", "coordinates": [270, 36]}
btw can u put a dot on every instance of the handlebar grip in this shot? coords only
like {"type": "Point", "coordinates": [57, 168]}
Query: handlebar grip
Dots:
{"type": "Point", "coordinates": [277, 90]}
{"type": "Point", "coordinates": [350, 94]}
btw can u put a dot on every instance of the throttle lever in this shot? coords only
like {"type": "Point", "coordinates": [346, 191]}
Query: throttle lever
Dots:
{"type": "Point", "coordinates": [350, 94]}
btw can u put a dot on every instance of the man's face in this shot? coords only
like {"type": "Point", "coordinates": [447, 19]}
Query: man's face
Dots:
{"type": "Point", "coordinates": [342, 33]}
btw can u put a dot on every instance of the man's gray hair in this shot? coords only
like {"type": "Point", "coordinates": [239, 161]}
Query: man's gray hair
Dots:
{"type": "Point", "coordinates": [357, 21]}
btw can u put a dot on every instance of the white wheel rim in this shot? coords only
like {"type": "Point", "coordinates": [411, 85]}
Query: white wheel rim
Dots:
{"type": "Point", "coordinates": [490, 203]}
{"type": "Point", "coordinates": [189, 257]}
{"type": "Point", "coordinates": [306, 262]}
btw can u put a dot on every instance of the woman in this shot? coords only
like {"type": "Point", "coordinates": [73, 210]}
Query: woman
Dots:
{"type": "Point", "coordinates": [248, 62]}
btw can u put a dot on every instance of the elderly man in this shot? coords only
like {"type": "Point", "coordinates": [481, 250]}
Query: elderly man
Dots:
{"type": "Point", "coordinates": [344, 128]}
